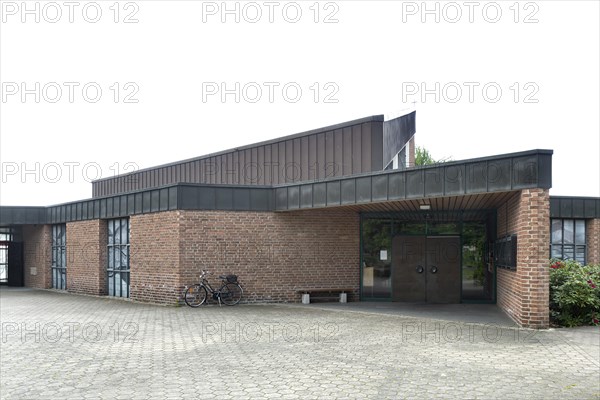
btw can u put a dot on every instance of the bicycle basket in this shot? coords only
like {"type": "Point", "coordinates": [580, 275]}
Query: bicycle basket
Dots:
{"type": "Point", "coordinates": [231, 278]}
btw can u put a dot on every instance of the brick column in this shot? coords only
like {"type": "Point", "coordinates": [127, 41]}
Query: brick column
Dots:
{"type": "Point", "coordinates": [86, 257]}
{"type": "Point", "coordinates": [592, 239]}
{"type": "Point", "coordinates": [524, 294]}
{"type": "Point", "coordinates": [37, 255]}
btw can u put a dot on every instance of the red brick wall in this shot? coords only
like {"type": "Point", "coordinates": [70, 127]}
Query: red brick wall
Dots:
{"type": "Point", "coordinates": [37, 253]}
{"type": "Point", "coordinates": [155, 257]}
{"type": "Point", "coordinates": [524, 294]}
{"type": "Point", "coordinates": [273, 253]}
{"type": "Point", "coordinates": [592, 239]}
{"type": "Point", "coordinates": [86, 257]}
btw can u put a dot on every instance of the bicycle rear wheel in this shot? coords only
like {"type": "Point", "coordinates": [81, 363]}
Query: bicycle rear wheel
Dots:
{"type": "Point", "coordinates": [195, 295]}
{"type": "Point", "coordinates": [231, 294]}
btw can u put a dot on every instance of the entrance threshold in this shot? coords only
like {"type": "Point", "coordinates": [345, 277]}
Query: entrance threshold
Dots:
{"type": "Point", "coordinates": [464, 313]}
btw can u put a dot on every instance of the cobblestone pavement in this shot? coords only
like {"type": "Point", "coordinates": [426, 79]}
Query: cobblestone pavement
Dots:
{"type": "Point", "coordinates": [57, 345]}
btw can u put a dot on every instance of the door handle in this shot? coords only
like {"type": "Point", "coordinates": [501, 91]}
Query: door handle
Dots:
{"type": "Point", "coordinates": [420, 269]}
{"type": "Point", "coordinates": [433, 269]}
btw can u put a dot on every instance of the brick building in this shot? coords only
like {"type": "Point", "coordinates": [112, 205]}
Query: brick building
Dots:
{"type": "Point", "coordinates": [340, 206]}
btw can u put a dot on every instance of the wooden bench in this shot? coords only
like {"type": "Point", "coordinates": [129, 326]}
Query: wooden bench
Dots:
{"type": "Point", "coordinates": [323, 293]}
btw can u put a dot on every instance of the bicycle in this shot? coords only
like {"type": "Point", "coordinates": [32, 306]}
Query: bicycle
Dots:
{"type": "Point", "coordinates": [229, 293]}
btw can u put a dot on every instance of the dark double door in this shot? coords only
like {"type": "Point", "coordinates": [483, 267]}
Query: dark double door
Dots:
{"type": "Point", "coordinates": [426, 269]}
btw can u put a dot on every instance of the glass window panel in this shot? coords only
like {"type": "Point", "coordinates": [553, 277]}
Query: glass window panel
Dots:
{"type": "Point", "coordinates": [377, 257]}
{"type": "Point", "coordinates": [410, 228]}
{"type": "Point", "coordinates": [580, 254]}
{"type": "Point", "coordinates": [556, 231]}
{"type": "Point", "coordinates": [556, 251]}
{"type": "Point", "coordinates": [568, 231]}
{"type": "Point", "coordinates": [569, 252]}
{"type": "Point", "coordinates": [580, 231]}
{"type": "Point", "coordinates": [440, 228]}
{"type": "Point", "coordinates": [111, 258]}
{"type": "Point", "coordinates": [111, 232]}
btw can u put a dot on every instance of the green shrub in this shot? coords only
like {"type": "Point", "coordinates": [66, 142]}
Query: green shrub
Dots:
{"type": "Point", "coordinates": [574, 293]}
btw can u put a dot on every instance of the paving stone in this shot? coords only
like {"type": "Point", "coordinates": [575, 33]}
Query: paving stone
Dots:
{"type": "Point", "coordinates": [155, 352]}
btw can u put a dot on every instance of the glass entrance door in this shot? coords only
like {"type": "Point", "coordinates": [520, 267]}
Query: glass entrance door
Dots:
{"type": "Point", "coordinates": [426, 269]}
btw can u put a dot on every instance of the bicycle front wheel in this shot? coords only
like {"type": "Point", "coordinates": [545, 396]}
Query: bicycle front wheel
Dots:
{"type": "Point", "coordinates": [231, 294]}
{"type": "Point", "coordinates": [195, 295]}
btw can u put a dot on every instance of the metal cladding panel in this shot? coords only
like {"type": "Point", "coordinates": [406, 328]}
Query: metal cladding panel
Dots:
{"type": "Point", "coordinates": [376, 145]}
{"type": "Point", "coordinates": [312, 154]}
{"type": "Point", "coordinates": [578, 210]}
{"type": "Point", "coordinates": [319, 194]}
{"type": "Point", "coordinates": [306, 200]}
{"type": "Point", "coordinates": [14, 215]}
{"type": "Point", "coordinates": [365, 146]}
{"type": "Point", "coordinates": [304, 165]}
{"type": "Point", "coordinates": [396, 133]}
{"type": "Point", "coordinates": [172, 198]}
{"type": "Point", "coordinates": [260, 199]}
{"type": "Point", "coordinates": [293, 197]}
{"type": "Point", "coordinates": [154, 200]}
{"type": "Point", "coordinates": [96, 209]}
{"type": "Point", "coordinates": [281, 198]}
{"type": "Point", "coordinates": [380, 188]}
{"type": "Point", "coordinates": [189, 197]}
{"type": "Point", "coordinates": [347, 151]}
{"type": "Point", "coordinates": [477, 177]}
{"type": "Point", "coordinates": [454, 179]}
{"type": "Point", "coordinates": [333, 193]}
{"type": "Point", "coordinates": [289, 168]}
{"type": "Point", "coordinates": [241, 199]}
{"type": "Point", "coordinates": [163, 199]}
{"type": "Point", "coordinates": [123, 206]}
{"type": "Point", "coordinates": [146, 202]}
{"type": "Point", "coordinates": [356, 149]}
{"type": "Point", "coordinates": [396, 186]}
{"type": "Point", "coordinates": [79, 211]}
{"type": "Point", "coordinates": [139, 200]}
{"type": "Point", "coordinates": [109, 208]}
{"type": "Point", "coordinates": [544, 176]}
{"type": "Point", "coordinates": [224, 198]}
{"type": "Point", "coordinates": [321, 151]}
{"type": "Point", "coordinates": [566, 208]}
{"type": "Point", "coordinates": [131, 204]}
{"type": "Point", "coordinates": [499, 175]}
{"type": "Point", "coordinates": [574, 207]}
{"type": "Point", "coordinates": [348, 187]}
{"type": "Point", "coordinates": [525, 172]}
{"type": "Point", "coordinates": [434, 181]}
{"type": "Point", "coordinates": [590, 209]}
{"type": "Point", "coordinates": [363, 189]}
{"type": "Point", "coordinates": [207, 198]}
{"type": "Point", "coordinates": [103, 213]}
{"type": "Point", "coordinates": [554, 208]}
{"type": "Point", "coordinates": [415, 184]}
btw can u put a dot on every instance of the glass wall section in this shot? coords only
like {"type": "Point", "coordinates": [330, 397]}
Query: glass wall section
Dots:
{"type": "Point", "coordinates": [475, 228]}
{"type": "Point", "coordinates": [376, 258]}
{"type": "Point", "coordinates": [59, 256]}
{"type": "Point", "coordinates": [477, 272]}
{"type": "Point", "coordinates": [118, 257]}
{"type": "Point", "coordinates": [568, 239]}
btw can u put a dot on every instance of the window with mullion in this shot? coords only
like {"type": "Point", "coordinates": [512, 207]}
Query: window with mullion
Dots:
{"type": "Point", "coordinates": [568, 239]}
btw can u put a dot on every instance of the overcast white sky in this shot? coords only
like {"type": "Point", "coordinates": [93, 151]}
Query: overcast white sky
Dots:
{"type": "Point", "coordinates": [350, 59]}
